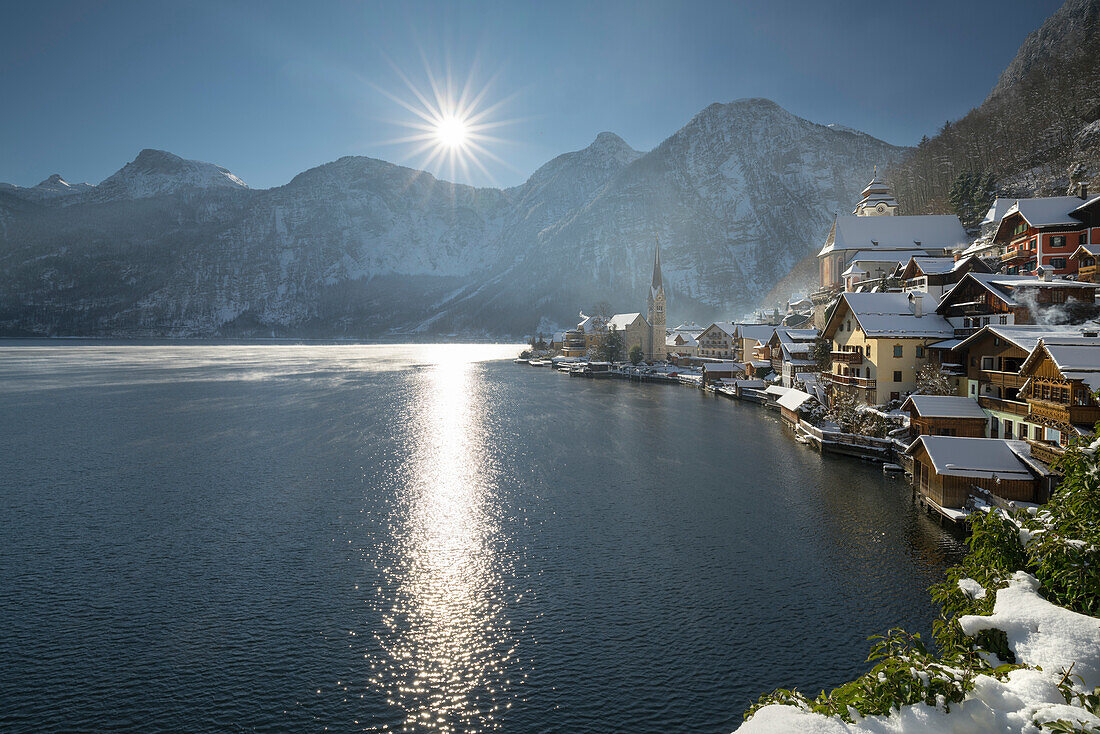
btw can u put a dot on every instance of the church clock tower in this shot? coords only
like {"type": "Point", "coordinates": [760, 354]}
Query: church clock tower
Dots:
{"type": "Point", "coordinates": [657, 349]}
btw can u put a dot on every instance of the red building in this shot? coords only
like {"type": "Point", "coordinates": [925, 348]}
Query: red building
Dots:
{"type": "Point", "coordinates": [1043, 231]}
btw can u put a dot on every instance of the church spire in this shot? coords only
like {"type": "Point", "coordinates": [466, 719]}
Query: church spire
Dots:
{"type": "Point", "coordinates": [658, 282]}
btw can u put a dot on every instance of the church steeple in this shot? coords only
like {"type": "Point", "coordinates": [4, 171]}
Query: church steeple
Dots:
{"type": "Point", "coordinates": [877, 199]}
{"type": "Point", "coordinates": [657, 351]}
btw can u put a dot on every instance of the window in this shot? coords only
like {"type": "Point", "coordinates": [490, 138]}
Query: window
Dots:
{"type": "Point", "coordinates": [897, 375]}
{"type": "Point", "coordinates": [1008, 428]}
{"type": "Point", "coordinates": [987, 363]}
{"type": "Point", "coordinates": [898, 350]}
{"type": "Point", "coordinates": [973, 388]}
{"type": "Point", "coordinates": [1002, 319]}
{"type": "Point", "coordinates": [1057, 295]}
{"type": "Point", "coordinates": [1058, 240]}
{"type": "Point", "coordinates": [1037, 433]}
{"type": "Point", "coordinates": [1058, 263]}
{"type": "Point", "coordinates": [994, 431]}
{"type": "Point", "coordinates": [920, 352]}
{"type": "Point", "coordinates": [895, 396]}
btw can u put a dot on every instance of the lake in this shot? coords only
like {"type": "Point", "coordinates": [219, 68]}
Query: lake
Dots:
{"type": "Point", "coordinates": [346, 538]}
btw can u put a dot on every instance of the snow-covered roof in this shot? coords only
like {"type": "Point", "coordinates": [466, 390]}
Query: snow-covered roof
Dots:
{"type": "Point", "coordinates": [592, 324]}
{"type": "Point", "coordinates": [980, 457]}
{"type": "Point", "coordinates": [935, 265]}
{"type": "Point", "coordinates": [892, 314]}
{"type": "Point", "coordinates": [854, 269]}
{"type": "Point", "coordinates": [1005, 286]}
{"type": "Point", "coordinates": [1025, 337]}
{"type": "Point", "coordinates": [620, 321]}
{"type": "Point", "coordinates": [900, 257]}
{"type": "Point", "coordinates": [1047, 211]}
{"type": "Point", "coordinates": [793, 399]}
{"type": "Point", "coordinates": [1080, 209]}
{"type": "Point", "coordinates": [759, 363]}
{"type": "Point", "coordinates": [760, 332]}
{"type": "Point", "coordinates": [777, 390]}
{"type": "Point", "coordinates": [997, 210]}
{"type": "Point", "coordinates": [686, 340]}
{"type": "Point", "coordinates": [727, 327]}
{"type": "Point", "coordinates": [944, 406]}
{"type": "Point", "coordinates": [722, 367]}
{"type": "Point", "coordinates": [929, 232]}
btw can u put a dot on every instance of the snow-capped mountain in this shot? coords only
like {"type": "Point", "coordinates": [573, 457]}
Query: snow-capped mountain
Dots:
{"type": "Point", "coordinates": [157, 172]}
{"type": "Point", "coordinates": [364, 247]}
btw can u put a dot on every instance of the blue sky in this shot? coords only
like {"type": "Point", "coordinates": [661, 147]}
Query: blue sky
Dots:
{"type": "Point", "coordinates": [271, 89]}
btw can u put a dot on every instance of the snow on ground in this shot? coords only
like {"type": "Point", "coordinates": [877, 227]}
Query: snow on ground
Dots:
{"type": "Point", "coordinates": [1039, 634]}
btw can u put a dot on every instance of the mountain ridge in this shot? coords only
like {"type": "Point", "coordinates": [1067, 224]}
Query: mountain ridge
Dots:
{"type": "Point", "coordinates": [360, 246]}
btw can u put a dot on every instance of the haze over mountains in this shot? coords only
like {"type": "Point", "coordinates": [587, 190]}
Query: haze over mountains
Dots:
{"type": "Point", "coordinates": [361, 247]}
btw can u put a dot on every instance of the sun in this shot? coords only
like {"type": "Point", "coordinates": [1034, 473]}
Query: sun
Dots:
{"type": "Point", "coordinates": [453, 125]}
{"type": "Point", "coordinates": [451, 131]}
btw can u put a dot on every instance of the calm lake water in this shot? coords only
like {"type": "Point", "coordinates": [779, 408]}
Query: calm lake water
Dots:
{"type": "Point", "coordinates": [282, 538]}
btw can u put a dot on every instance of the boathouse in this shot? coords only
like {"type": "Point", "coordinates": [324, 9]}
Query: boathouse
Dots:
{"type": "Point", "coordinates": [945, 415]}
{"type": "Point", "coordinates": [948, 469]}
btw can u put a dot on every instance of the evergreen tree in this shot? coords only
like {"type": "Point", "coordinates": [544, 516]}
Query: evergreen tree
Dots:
{"type": "Point", "coordinates": [611, 346]}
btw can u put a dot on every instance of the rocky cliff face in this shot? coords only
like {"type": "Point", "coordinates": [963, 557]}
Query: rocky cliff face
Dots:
{"type": "Point", "coordinates": [362, 247]}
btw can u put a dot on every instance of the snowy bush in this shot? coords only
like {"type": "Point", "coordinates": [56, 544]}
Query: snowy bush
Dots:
{"type": "Point", "coordinates": [1018, 636]}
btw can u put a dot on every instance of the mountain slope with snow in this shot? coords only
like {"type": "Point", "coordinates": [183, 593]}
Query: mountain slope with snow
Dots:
{"type": "Point", "coordinates": [363, 247]}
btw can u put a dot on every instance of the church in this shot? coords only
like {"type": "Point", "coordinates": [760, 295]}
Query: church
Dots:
{"type": "Point", "coordinates": [637, 330]}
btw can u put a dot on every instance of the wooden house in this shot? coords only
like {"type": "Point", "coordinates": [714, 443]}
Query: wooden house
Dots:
{"type": "Point", "coordinates": [1061, 378]}
{"type": "Point", "coordinates": [934, 275]}
{"type": "Point", "coordinates": [945, 415]}
{"type": "Point", "coordinates": [947, 470]}
{"type": "Point", "coordinates": [717, 340]}
{"type": "Point", "coordinates": [982, 299]}
{"type": "Point", "coordinates": [791, 404]}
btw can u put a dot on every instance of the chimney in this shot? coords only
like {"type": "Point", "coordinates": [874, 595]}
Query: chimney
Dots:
{"type": "Point", "coordinates": [1044, 272]}
{"type": "Point", "coordinates": [918, 303]}
{"type": "Point", "coordinates": [1082, 190]}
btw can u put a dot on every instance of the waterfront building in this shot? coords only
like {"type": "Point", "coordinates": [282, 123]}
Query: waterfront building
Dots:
{"type": "Point", "coordinates": [791, 405]}
{"type": "Point", "coordinates": [716, 371]}
{"type": "Point", "coordinates": [879, 341]}
{"type": "Point", "coordinates": [947, 469]}
{"type": "Point", "coordinates": [748, 338]}
{"type": "Point", "coordinates": [945, 415]}
{"type": "Point", "coordinates": [1061, 378]}
{"type": "Point", "coordinates": [992, 357]}
{"type": "Point", "coordinates": [791, 353]}
{"type": "Point", "coordinates": [681, 344]}
{"type": "Point", "coordinates": [634, 329]}
{"type": "Point", "coordinates": [1042, 231]}
{"type": "Point", "coordinates": [717, 340]}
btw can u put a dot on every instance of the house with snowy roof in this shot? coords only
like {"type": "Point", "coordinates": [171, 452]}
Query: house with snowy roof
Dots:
{"type": "Point", "coordinates": [947, 470]}
{"type": "Point", "coordinates": [875, 239]}
{"type": "Point", "coordinates": [1061, 379]}
{"type": "Point", "coordinates": [717, 340]}
{"type": "Point", "coordinates": [1088, 251]}
{"type": "Point", "coordinates": [1042, 231]}
{"type": "Point", "coordinates": [634, 329]}
{"type": "Point", "coordinates": [981, 299]}
{"type": "Point", "coordinates": [748, 338]}
{"type": "Point", "coordinates": [935, 275]}
{"type": "Point", "coordinates": [681, 344]}
{"type": "Point", "coordinates": [791, 353]}
{"type": "Point", "coordinates": [945, 415]}
{"type": "Point", "coordinates": [879, 341]}
{"type": "Point", "coordinates": [992, 358]}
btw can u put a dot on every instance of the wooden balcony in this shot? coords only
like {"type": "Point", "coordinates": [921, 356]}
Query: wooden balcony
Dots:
{"type": "Point", "coordinates": [1020, 254]}
{"type": "Point", "coordinates": [847, 357]}
{"type": "Point", "coordinates": [850, 380]}
{"type": "Point", "coordinates": [1048, 453]}
{"type": "Point", "coordinates": [1080, 415]}
{"type": "Point", "coordinates": [1087, 273]}
{"type": "Point", "coordinates": [1004, 406]}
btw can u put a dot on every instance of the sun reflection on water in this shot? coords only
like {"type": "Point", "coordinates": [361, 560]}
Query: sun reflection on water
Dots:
{"type": "Point", "coordinates": [446, 643]}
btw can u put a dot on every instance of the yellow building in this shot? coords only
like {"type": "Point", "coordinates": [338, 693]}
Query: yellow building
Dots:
{"type": "Point", "coordinates": [879, 341]}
